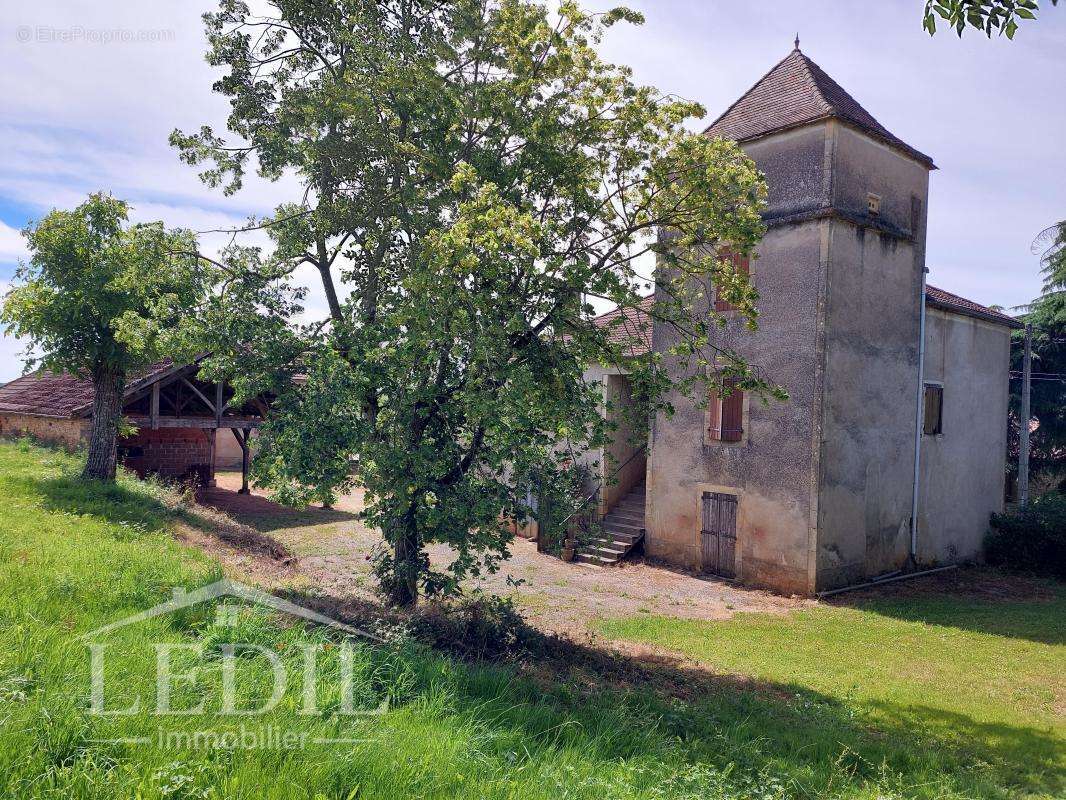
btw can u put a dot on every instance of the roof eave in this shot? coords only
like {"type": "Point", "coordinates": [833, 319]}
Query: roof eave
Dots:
{"type": "Point", "coordinates": [996, 319]}
{"type": "Point", "coordinates": [905, 150]}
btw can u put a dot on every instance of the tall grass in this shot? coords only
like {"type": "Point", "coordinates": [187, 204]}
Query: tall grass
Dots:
{"type": "Point", "coordinates": [75, 556]}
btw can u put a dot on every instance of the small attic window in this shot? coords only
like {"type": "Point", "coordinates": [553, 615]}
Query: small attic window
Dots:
{"type": "Point", "coordinates": [873, 204]}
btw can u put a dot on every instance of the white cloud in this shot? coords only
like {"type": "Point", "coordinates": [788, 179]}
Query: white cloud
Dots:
{"type": "Point", "coordinates": [84, 116]}
{"type": "Point", "coordinates": [12, 245]}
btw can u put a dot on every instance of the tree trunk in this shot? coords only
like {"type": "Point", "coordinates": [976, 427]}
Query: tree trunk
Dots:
{"type": "Point", "coordinates": [108, 386]}
{"type": "Point", "coordinates": [405, 581]}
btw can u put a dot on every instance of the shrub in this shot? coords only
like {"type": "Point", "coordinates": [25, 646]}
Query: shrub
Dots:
{"type": "Point", "coordinates": [1032, 539]}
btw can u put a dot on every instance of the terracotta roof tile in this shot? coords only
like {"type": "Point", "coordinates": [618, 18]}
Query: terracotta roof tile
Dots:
{"type": "Point", "coordinates": [795, 92]}
{"type": "Point", "coordinates": [52, 394]}
{"type": "Point", "coordinates": [938, 298]}
{"type": "Point", "coordinates": [630, 326]}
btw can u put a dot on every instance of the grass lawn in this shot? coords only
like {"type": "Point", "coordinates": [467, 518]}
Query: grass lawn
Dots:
{"type": "Point", "coordinates": [940, 700]}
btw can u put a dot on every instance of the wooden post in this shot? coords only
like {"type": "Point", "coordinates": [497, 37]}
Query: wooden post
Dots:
{"type": "Point", "coordinates": [154, 412]}
{"type": "Point", "coordinates": [218, 402]}
{"type": "Point", "coordinates": [212, 435]}
{"type": "Point", "coordinates": [1023, 420]}
{"type": "Point", "coordinates": [242, 440]}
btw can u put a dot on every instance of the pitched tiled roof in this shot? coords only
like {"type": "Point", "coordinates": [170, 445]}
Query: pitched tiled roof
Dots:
{"type": "Point", "coordinates": [796, 92]}
{"type": "Point", "coordinates": [52, 394]}
{"type": "Point", "coordinates": [630, 326]}
{"type": "Point", "coordinates": [947, 301]}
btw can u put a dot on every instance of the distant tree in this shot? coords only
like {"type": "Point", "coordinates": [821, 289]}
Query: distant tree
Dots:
{"type": "Point", "coordinates": [473, 174]}
{"type": "Point", "coordinates": [984, 15]}
{"type": "Point", "coordinates": [102, 299]}
{"type": "Point", "coordinates": [1048, 393]}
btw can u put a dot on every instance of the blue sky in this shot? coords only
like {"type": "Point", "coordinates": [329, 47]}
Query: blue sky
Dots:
{"type": "Point", "coordinates": [91, 114]}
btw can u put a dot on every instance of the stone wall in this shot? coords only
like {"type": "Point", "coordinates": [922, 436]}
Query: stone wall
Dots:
{"type": "Point", "coordinates": [770, 469]}
{"type": "Point", "coordinates": [872, 308]}
{"type": "Point", "coordinates": [69, 433]}
{"type": "Point", "coordinates": [963, 468]}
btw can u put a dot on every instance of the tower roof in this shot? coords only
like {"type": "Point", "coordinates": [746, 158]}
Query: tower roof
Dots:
{"type": "Point", "coordinates": [796, 92]}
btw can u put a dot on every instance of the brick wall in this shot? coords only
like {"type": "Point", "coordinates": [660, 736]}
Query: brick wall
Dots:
{"type": "Point", "coordinates": [170, 452]}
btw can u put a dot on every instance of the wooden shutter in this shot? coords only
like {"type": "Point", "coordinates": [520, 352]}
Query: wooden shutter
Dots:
{"type": "Point", "coordinates": [718, 534]}
{"type": "Point", "coordinates": [732, 413]}
{"type": "Point", "coordinates": [933, 412]}
{"type": "Point", "coordinates": [714, 416]}
{"type": "Point", "coordinates": [740, 264]}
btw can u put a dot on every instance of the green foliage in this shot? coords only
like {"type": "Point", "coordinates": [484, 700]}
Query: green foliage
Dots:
{"type": "Point", "coordinates": [1031, 539]}
{"type": "Point", "coordinates": [984, 15]}
{"type": "Point", "coordinates": [953, 697]}
{"type": "Point", "coordinates": [473, 175]}
{"type": "Point", "coordinates": [97, 293]}
{"type": "Point", "coordinates": [974, 675]}
{"type": "Point", "coordinates": [1047, 315]}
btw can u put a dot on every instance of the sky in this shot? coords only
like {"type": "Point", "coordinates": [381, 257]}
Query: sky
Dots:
{"type": "Point", "coordinates": [92, 90]}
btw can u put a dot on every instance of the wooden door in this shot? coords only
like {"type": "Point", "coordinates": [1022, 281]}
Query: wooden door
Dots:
{"type": "Point", "coordinates": [718, 534]}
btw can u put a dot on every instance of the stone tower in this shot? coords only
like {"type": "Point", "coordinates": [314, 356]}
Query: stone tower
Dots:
{"type": "Point", "coordinates": [822, 484]}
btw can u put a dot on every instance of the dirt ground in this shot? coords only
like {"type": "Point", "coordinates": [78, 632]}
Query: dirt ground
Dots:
{"type": "Point", "coordinates": [327, 550]}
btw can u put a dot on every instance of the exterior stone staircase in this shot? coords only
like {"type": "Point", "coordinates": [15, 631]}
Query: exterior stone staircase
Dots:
{"type": "Point", "coordinates": [622, 530]}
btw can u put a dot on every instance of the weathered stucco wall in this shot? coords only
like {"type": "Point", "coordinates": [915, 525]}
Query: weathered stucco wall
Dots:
{"type": "Point", "coordinates": [962, 469]}
{"type": "Point", "coordinates": [796, 170]}
{"type": "Point", "coordinates": [770, 469]}
{"type": "Point", "coordinates": [69, 433]}
{"type": "Point", "coordinates": [873, 288]}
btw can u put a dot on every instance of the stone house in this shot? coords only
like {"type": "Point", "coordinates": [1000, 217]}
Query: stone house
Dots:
{"type": "Point", "coordinates": [861, 473]}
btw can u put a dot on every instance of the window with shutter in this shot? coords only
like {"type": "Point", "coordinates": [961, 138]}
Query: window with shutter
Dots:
{"type": "Point", "coordinates": [714, 416]}
{"type": "Point", "coordinates": [732, 413]}
{"type": "Point", "coordinates": [725, 415]}
{"type": "Point", "coordinates": [740, 264]}
{"type": "Point", "coordinates": [933, 411]}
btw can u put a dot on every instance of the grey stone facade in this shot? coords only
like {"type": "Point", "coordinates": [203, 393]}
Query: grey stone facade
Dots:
{"type": "Point", "coordinates": [824, 482]}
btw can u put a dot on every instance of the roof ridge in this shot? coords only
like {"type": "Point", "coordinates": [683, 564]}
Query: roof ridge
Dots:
{"type": "Point", "coordinates": [750, 89]}
{"type": "Point", "coordinates": [795, 92]}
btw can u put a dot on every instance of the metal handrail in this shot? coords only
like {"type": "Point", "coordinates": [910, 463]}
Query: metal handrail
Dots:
{"type": "Point", "coordinates": [643, 448]}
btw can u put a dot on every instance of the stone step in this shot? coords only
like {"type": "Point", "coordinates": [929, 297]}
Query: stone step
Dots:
{"type": "Point", "coordinates": [604, 540]}
{"type": "Point", "coordinates": [583, 558]}
{"type": "Point", "coordinates": [623, 527]}
{"type": "Point", "coordinates": [625, 518]}
{"type": "Point", "coordinates": [611, 553]}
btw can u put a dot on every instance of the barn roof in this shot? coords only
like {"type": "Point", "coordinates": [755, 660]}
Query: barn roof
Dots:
{"type": "Point", "coordinates": [61, 395]}
{"type": "Point", "coordinates": [798, 92]}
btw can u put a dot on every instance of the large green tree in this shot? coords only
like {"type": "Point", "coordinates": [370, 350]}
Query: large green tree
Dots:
{"type": "Point", "coordinates": [474, 177]}
{"type": "Point", "coordinates": [103, 299]}
{"type": "Point", "coordinates": [1047, 314]}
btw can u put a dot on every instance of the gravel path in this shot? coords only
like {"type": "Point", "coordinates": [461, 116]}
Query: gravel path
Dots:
{"type": "Point", "coordinates": [331, 548]}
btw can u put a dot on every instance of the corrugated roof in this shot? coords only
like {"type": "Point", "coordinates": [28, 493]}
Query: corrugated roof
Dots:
{"type": "Point", "coordinates": [797, 92]}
